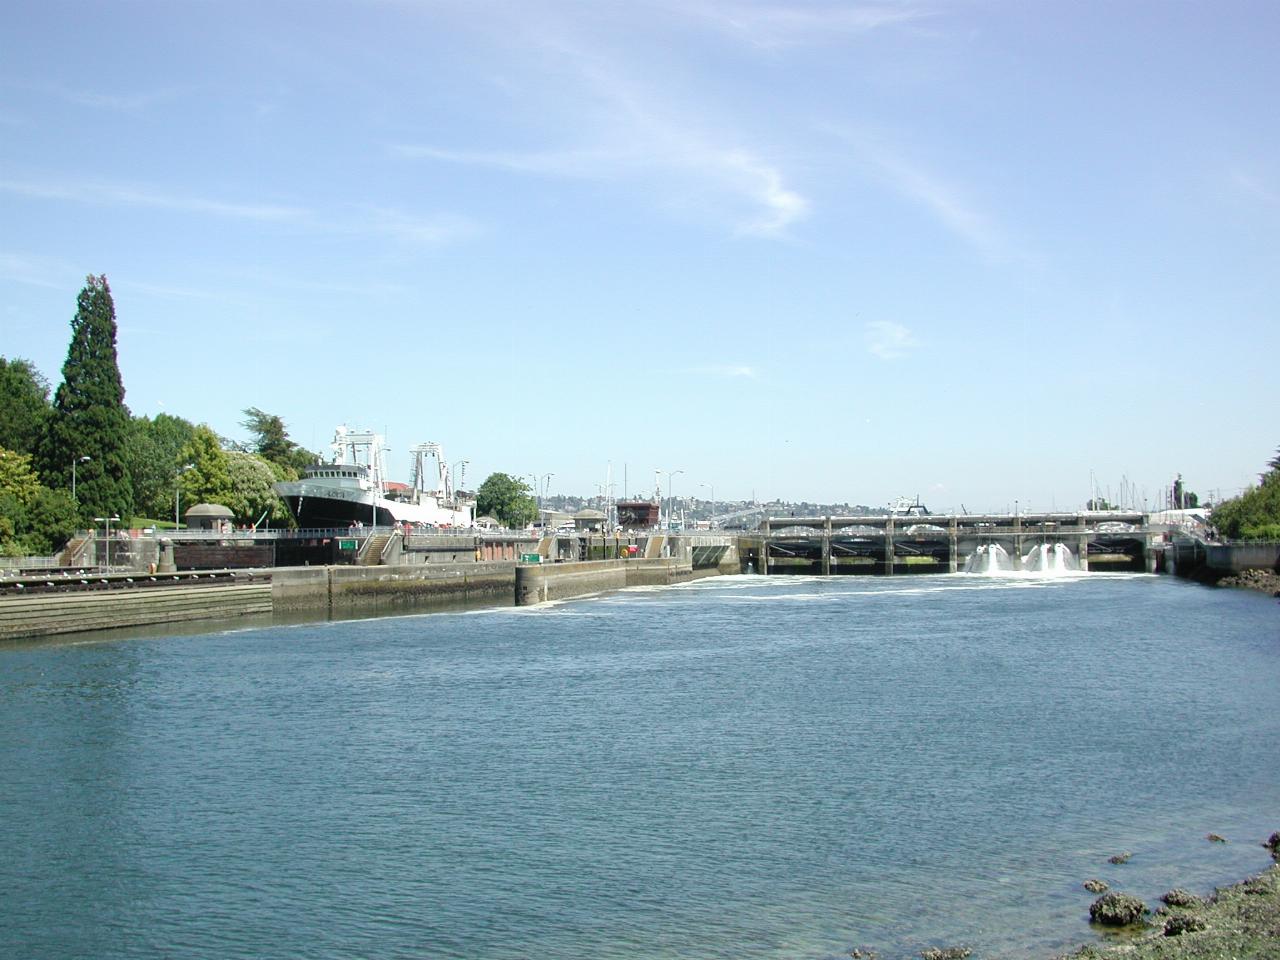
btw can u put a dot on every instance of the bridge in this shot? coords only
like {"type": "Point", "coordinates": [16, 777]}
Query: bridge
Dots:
{"type": "Point", "coordinates": [892, 543]}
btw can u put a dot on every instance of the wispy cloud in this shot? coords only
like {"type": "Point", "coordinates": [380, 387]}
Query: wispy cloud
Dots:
{"type": "Point", "coordinates": [123, 102]}
{"type": "Point", "coordinates": [773, 205]}
{"type": "Point", "coordinates": [771, 26]}
{"type": "Point", "coordinates": [426, 231]}
{"type": "Point", "coordinates": [944, 200]}
{"type": "Point", "coordinates": [888, 340]}
{"type": "Point", "coordinates": [608, 117]}
{"type": "Point", "coordinates": [130, 102]}
{"type": "Point", "coordinates": [726, 370]}
{"type": "Point", "coordinates": [1253, 186]}
{"type": "Point", "coordinates": [34, 271]}
{"type": "Point", "coordinates": [432, 231]}
{"type": "Point", "coordinates": [132, 195]}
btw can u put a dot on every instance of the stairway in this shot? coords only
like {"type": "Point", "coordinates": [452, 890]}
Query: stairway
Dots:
{"type": "Point", "coordinates": [371, 552]}
{"type": "Point", "coordinates": [73, 554]}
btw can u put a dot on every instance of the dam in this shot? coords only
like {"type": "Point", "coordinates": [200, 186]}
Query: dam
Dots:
{"type": "Point", "coordinates": [973, 543]}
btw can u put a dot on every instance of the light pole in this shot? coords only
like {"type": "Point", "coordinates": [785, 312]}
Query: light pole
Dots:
{"type": "Point", "coordinates": [107, 521]}
{"type": "Point", "coordinates": [177, 492]}
{"type": "Point", "coordinates": [712, 487]}
{"type": "Point", "coordinates": [74, 461]}
{"type": "Point", "coordinates": [670, 503]}
{"type": "Point", "coordinates": [546, 484]}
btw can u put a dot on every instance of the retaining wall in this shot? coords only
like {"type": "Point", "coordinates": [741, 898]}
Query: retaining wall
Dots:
{"type": "Point", "coordinates": [55, 613]}
{"type": "Point", "coordinates": [538, 583]}
{"type": "Point", "coordinates": [1238, 557]}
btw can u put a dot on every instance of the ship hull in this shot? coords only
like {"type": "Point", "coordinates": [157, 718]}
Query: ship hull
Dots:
{"type": "Point", "coordinates": [319, 507]}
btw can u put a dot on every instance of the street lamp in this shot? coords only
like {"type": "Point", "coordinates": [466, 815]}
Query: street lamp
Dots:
{"type": "Point", "coordinates": [74, 461]}
{"type": "Point", "coordinates": [670, 503]}
{"type": "Point", "coordinates": [546, 483]}
{"type": "Point", "coordinates": [712, 487]}
{"type": "Point", "coordinates": [177, 492]}
{"type": "Point", "coordinates": [108, 521]}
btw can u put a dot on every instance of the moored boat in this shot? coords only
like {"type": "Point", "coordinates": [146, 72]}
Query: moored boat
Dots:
{"type": "Point", "coordinates": [352, 489]}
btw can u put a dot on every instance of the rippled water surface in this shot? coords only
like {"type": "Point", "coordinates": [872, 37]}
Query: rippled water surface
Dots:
{"type": "Point", "coordinates": [737, 768]}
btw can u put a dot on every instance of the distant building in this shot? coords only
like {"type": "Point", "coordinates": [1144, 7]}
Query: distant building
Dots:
{"type": "Point", "coordinates": [638, 514]}
{"type": "Point", "coordinates": [592, 520]}
{"type": "Point", "coordinates": [553, 519]}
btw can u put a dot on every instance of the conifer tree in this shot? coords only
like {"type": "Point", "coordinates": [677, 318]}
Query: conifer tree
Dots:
{"type": "Point", "coordinates": [89, 418]}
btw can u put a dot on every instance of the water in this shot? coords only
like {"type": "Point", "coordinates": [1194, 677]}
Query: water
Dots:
{"type": "Point", "coordinates": [738, 768]}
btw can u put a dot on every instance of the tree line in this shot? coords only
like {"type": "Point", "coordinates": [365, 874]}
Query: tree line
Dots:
{"type": "Point", "coordinates": [79, 454]}
{"type": "Point", "coordinates": [1255, 514]}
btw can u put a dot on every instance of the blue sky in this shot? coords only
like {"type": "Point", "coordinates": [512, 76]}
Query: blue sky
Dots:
{"type": "Point", "coordinates": [975, 251]}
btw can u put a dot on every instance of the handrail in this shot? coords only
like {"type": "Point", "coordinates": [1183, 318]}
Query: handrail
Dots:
{"type": "Point", "coordinates": [395, 540]}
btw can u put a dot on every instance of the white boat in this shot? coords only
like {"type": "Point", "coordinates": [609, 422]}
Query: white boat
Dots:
{"type": "Point", "coordinates": [905, 507]}
{"type": "Point", "coordinates": [352, 489]}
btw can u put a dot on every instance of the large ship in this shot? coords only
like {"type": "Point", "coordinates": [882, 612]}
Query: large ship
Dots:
{"type": "Point", "coordinates": [352, 489]}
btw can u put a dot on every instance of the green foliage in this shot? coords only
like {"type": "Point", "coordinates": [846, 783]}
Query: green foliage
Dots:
{"type": "Point", "coordinates": [17, 477]}
{"type": "Point", "coordinates": [271, 442]}
{"type": "Point", "coordinates": [508, 499]}
{"type": "Point", "coordinates": [24, 405]}
{"type": "Point", "coordinates": [1182, 498]}
{"type": "Point", "coordinates": [251, 496]}
{"type": "Point", "coordinates": [1254, 515]}
{"type": "Point", "coordinates": [89, 418]}
{"type": "Point", "coordinates": [154, 448]}
{"type": "Point", "coordinates": [209, 479]}
{"type": "Point", "coordinates": [33, 518]}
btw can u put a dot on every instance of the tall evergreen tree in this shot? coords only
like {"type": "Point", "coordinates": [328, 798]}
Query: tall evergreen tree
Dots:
{"type": "Point", "coordinates": [89, 418]}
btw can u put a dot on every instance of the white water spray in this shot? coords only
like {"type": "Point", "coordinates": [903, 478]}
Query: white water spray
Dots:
{"type": "Point", "coordinates": [989, 558]}
{"type": "Point", "coordinates": [1050, 558]}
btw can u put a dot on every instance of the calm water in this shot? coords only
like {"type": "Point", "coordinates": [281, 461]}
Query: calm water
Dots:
{"type": "Point", "coordinates": [738, 768]}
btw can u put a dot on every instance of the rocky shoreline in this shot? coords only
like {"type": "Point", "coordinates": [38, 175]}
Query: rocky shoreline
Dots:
{"type": "Point", "coordinates": [1264, 581]}
{"type": "Point", "coordinates": [1240, 922]}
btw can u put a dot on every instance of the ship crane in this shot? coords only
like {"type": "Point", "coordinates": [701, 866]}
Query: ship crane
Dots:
{"type": "Point", "coordinates": [442, 485]}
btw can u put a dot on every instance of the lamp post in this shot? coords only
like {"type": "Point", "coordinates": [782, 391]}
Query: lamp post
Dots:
{"type": "Point", "coordinates": [546, 483]}
{"type": "Point", "coordinates": [74, 461]}
{"type": "Point", "coordinates": [177, 492]}
{"type": "Point", "coordinates": [670, 503]}
{"type": "Point", "coordinates": [712, 487]}
{"type": "Point", "coordinates": [108, 522]}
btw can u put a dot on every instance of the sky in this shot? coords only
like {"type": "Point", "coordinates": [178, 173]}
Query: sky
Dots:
{"type": "Point", "coordinates": [984, 252]}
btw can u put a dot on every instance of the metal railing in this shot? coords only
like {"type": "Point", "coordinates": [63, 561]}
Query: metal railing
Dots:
{"type": "Point", "coordinates": [321, 533]}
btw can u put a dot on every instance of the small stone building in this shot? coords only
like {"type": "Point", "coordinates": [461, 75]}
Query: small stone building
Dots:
{"type": "Point", "coordinates": [209, 516]}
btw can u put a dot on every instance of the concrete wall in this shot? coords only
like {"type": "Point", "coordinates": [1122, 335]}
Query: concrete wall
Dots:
{"type": "Point", "coordinates": [55, 613]}
{"type": "Point", "coordinates": [345, 590]}
{"type": "Point", "coordinates": [537, 583]}
{"type": "Point", "coordinates": [1237, 557]}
